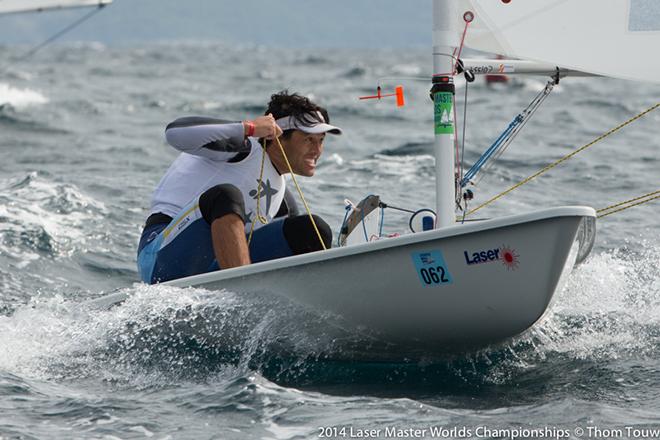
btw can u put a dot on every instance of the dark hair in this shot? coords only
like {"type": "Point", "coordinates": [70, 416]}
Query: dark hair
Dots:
{"type": "Point", "coordinates": [300, 107]}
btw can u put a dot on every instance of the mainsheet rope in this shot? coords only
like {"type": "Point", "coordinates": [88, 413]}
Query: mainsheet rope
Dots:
{"type": "Point", "coordinates": [258, 217]}
{"type": "Point", "coordinates": [622, 206]}
{"type": "Point", "coordinates": [261, 218]}
{"type": "Point", "coordinates": [565, 158]}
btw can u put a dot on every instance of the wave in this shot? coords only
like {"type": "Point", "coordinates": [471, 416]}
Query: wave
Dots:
{"type": "Point", "coordinates": [17, 119]}
{"type": "Point", "coordinates": [354, 72]}
{"type": "Point", "coordinates": [42, 218]}
{"type": "Point", "coordinates": [168, 332]}
{"type": "Point", "coordinates": [409, 149]}
{"type": "Point", "coordinates": [313, 60]}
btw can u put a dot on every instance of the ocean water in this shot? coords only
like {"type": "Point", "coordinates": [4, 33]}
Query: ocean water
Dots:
{"type": "Point", "coordinates": [81, 138]}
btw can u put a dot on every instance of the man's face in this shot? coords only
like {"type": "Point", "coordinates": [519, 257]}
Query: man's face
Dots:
{"type": "Point", "coordinates": [303, 150]}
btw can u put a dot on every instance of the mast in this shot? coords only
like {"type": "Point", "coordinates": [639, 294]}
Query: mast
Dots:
{"type": "Point", "coordinates": [442, 93]}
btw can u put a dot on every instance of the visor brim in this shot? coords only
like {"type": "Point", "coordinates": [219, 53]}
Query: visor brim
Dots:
{"type": "Point", "coordinates": [320, 128]}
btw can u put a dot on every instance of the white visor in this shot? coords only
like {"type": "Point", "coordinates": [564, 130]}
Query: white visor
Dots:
{"type": "Point", "coordinates": [289, 122]}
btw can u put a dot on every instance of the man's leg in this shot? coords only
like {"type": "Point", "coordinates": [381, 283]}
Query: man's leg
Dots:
{"type": "Point", "coordinates": [289, 236]}
{"type": "Point", "coordinates": [302, 237]}
{"type": "Point", "coordinates": [229, 243]}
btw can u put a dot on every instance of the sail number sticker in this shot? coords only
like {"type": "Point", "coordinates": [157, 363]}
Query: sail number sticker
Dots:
{"type": "Point", "coordinates": [431, 268]}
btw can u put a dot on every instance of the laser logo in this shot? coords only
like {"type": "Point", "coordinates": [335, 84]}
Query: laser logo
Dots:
{"type": "Point", "coordinates": [504, 254]}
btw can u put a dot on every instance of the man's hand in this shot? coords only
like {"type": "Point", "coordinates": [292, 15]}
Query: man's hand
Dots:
{"type": "Point", "coordinates": [265, 127]}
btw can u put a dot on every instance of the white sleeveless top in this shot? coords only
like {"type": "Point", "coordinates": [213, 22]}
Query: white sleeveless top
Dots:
{"type": "Point", "coordinates": [190, 175]}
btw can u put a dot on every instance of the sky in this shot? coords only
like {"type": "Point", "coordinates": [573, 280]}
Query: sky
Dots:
{"type": "Point", "coordinates": [289, 23]}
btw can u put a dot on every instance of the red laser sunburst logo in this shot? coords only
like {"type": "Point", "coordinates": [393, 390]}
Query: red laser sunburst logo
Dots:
{"type": "Point", "coordinates": [509, 258]}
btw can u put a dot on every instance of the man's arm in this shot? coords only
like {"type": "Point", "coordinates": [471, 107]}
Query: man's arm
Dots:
{"type": "Point", "coordinates": [218, 139]}
{"type": "Point", "coordinates": [215, 139]}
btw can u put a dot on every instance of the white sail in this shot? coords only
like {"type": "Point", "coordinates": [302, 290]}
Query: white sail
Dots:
{"type": "Point", "coordinates": [616, 38]}
{"type": "Point", "coordinates": [11, 6]}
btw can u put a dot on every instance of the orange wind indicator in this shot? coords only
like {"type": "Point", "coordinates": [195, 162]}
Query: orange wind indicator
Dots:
{"type": "Point", "coordinates": [398, 92]}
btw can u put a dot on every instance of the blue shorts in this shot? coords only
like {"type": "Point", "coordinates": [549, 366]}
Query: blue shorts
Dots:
{"type": "Point", "coordinates": [184, 247]}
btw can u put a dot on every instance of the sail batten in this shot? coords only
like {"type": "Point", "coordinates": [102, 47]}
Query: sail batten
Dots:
{"type": "Point", "coordinates": [616, 38]}
{"type": "Point", "coordinates": [14, 6]}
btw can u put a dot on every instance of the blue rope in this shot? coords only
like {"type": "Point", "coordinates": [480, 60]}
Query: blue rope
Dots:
{"type": "Point", "coordinates": [364, 227]}
{"type": "Point", "coordinates": [343, 223]}
{"type": "Point", "coordinates": [512, 130]}
{"type": "Point", "coordinates": [382, 221]}
{"type": "Point", "coordinates": [490, 151]}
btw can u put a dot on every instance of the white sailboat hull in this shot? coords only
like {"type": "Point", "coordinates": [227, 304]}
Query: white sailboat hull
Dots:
{"type": "Point", "coordinates": [499, 278]}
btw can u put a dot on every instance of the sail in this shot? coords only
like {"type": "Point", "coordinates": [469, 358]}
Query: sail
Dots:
{"type": "Point", "coordinates": [11, 6]}
{"type": "Point", "coordinates": [616, 38]}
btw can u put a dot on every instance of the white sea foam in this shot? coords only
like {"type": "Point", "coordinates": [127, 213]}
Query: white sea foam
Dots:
{"type": "Point", "coordinates": [50, 336]}
{"type": "Point", "coordinates": [159, 330]}
{"type": "Point", "coordinates": [608, 310]}
{"type": "Point", "coordinates": [18, 98]}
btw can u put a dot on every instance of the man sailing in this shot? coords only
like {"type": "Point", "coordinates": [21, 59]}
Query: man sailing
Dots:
{"type": "Point", "coordinates": [205, 205]}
